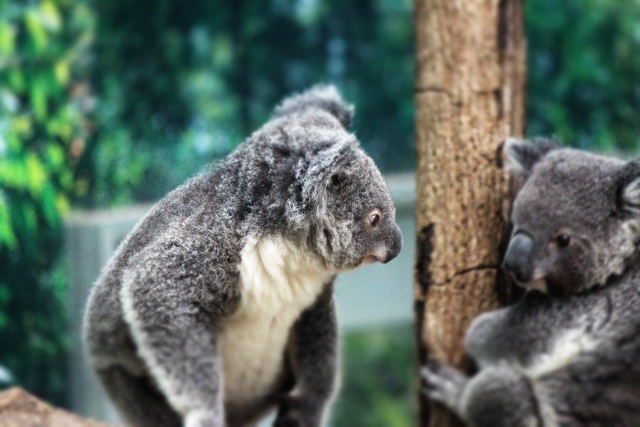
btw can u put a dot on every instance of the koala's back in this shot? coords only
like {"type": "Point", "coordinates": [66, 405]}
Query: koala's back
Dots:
{"type": "Point", "coordinates": [106, 332]}
{"type": "Point", "coordinates": [581, 353]}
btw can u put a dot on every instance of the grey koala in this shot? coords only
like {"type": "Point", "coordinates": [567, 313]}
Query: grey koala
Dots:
{"type": "Point", "coordinates": [568, 353]}
{"type": "Point", "coordinates": [218, 307]}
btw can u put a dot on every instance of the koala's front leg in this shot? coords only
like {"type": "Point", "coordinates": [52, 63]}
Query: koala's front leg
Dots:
{"type": "Point", "coordinates": [174, 323]}
{"type": "Point", "coordinates": [314, 360]}
{"type": "Point", "coordinates": [495, 397]}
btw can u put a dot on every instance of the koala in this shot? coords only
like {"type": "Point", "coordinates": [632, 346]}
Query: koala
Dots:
{"type": "Point", "coordinates": [218, 307]}
{"type": "Point", "coordinates": [568, 353]}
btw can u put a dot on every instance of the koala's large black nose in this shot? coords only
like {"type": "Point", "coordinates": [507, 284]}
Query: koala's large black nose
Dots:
{"type": "Point", "coordinates": [394, 245]}
{"type": "Point", "coordinates": [519, 260]}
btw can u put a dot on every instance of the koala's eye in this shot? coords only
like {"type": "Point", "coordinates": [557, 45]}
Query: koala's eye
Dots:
{"type": "Point", "coordinates": [563, 240]}
{"type": "Point", "coordinates": [374, 218]}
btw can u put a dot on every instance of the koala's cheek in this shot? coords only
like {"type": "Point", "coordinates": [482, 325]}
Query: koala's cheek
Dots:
{"type": "Point", "coordinates": [567, 279]}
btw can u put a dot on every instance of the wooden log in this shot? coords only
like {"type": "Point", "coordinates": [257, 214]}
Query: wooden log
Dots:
{"type": "Point", "coordinates": [20, 409]}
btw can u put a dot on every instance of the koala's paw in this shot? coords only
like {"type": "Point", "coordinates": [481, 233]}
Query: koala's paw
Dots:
{"type": "Point", "coordinates": [296, 412]}
{"type": "Point", "coordinates": [442, 383]}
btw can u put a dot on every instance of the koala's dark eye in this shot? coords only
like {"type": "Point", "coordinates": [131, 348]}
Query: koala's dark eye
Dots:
{"type": "Point", "coordinates": [374, 220]}
{"type": "Point", "coordinates": [563, 240]}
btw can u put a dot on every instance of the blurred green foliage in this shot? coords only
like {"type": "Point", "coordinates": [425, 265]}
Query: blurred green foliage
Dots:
{"type": "Point", "coordinates": [41, 137]}
{"type": "Point", "coordinates": [107, 102]}
{"type": "Point", "coordinates": [583, 72]}
{"type": "Point", "coordinates": [190, 81]}
{"type": "Point", "coordinates": [379, 375]}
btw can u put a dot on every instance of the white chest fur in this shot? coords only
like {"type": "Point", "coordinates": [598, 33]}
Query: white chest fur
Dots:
{"type": "Point", "coordinates": [564, 350]}
{"type": "Point", "coordinates": [278, 282]}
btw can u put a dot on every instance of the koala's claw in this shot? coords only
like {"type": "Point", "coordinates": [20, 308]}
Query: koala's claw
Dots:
{"type": "Point", "coordinates": [442, 383]}
{"type": "Point", "coordinates": [433, 384]}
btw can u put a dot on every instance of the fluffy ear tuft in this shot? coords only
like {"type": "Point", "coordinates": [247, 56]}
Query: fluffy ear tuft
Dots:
{"type": "Point", "coordinates": [326, 170]}
{"type": "Point", "coordinates": [522, 155]}
{"type": "Point", "coordinates": [630, 186]}
{"type": "Point", "coordinates": [323, 97]}
{"type": "Point", "coordinates": [631, 195]}
{"type": "Point", "coordinates": [337, 180]}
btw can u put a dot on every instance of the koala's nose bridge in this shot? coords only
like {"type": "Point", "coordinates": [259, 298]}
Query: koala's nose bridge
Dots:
{"type": "Point", "coordinates": [519, 257]}
{"type": "Point", "coordinates": [394, 244]}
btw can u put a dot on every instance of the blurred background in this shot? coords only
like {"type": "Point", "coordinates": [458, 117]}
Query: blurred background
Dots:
{"type": "Point", "coordinates": [110, 104]}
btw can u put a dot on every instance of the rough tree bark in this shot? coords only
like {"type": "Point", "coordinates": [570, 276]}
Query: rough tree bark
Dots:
{"type": "Point", "coordinates": [469, 98]}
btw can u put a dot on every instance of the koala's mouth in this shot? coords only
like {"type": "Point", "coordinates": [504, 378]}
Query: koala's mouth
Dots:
{"type": "Point", "coordinates": [371, 259]}
{"type": "Point", "coordinates": [380, 254]}
{"type": "Point", "coordinates": [538, 284]}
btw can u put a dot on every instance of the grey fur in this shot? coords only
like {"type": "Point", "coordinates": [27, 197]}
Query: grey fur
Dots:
{"type": "Point", "coordinates": [571, 356]}
{"type": "Point", "coordinates": [156, 314]}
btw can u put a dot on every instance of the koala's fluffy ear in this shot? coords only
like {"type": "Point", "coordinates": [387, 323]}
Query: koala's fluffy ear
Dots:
{"type": "Point", "coordinates": [522, 155]}
{"type": "Point", "coordinates": [323, 97]}
{"type": "Point", "coordinates": [334, 160]}
{"type": "Point", "coordinates": [630, 186]}
{"type": "Point", "coordinates": [327, 168]}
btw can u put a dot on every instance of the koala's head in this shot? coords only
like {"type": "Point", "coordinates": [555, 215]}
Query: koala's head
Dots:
{"type": "Point", "coordinates": [354, 215]}
{"type": "Point", "coordinates": [576, 220]}
{"type": "Point", "coordinates": [343, 206]}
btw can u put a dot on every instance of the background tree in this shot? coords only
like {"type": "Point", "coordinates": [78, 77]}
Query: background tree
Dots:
{"type": "Point", "coordinates": [469, 98]}
{"type": "Point", "coordinates": [42, 133]}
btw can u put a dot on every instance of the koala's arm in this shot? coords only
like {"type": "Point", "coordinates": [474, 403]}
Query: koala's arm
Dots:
{"type": "Point", "coordinates": [174, 310]}
{"type": "Point", "coordinates": [314, 361]}
{"type": "Point", "coordinates": [495, 397]}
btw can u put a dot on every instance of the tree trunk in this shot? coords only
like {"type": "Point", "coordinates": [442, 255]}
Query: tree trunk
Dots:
{"type": "Point", "coordinates": [469, 98]}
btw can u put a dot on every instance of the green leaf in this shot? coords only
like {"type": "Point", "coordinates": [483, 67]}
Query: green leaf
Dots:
{"type": "Point", "coordinates": [13, 174]}
{"type": "Point", "coordinates": [50, 16]}
{"type": "Point", "coordinates": [37, 32]}
{"type": "Point", "coordinates": [55, 156]}
{"type": "Point", "coordinates": [7, 235]}
{"type": "Point", "coordinates": [16, 80]}
{"type": "Point", "coordinates": [38, 97]}
{"type": "Point", "coordinates": [7, 38]}
{"type": "Point", "coordinates": [49, 206]}
{"type": "Point", "coordinates": [37, 174]}
{"type": "Point", "coordinates": [62, 204]}
{"type": "Point", "coordinates": [61, 71]}
{"type": "Point", "coordinates": [26, 220]}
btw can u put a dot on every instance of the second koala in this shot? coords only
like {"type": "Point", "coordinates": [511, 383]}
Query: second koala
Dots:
{"type": "Point", "coordinates": [569, 355]}
{"type": "Point", "coordinates": [218, 307]}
